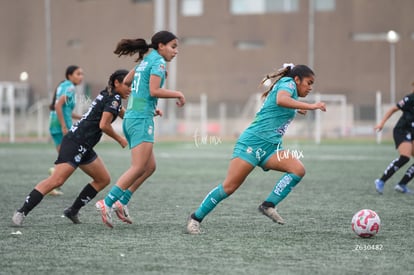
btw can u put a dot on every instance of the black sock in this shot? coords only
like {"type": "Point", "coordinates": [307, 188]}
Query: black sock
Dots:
{"type": "Point", "coordinates": [409, 174]}
{"type": "Point", "coordinates": [393, 167]}
{"type": "Point", "coordinates": [193, 216]}
{"type": "Point", "coordinates": [85, 196]}
{"type": "Point", "coordinates": [33, 199]}
{"type": "Point", "coordinates": [268, 204]}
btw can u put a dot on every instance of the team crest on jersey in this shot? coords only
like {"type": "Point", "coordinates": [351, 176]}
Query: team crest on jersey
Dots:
{"type": "Point", "coordinates": [114, 104]}
{"type": "Point", "coordinates": [161, 68]}
{"type": "Point", "coordinates": [291, 85]}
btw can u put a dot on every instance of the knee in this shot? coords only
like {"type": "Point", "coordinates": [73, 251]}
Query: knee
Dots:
{"type": "Point", "coordinates": [106, 180]}
{"type": "Point", "coordinates": [299, 171]}
{"type": "Point", "coordinates": [229, 187]}
{"type": "Point", "coordinates": [103, 180]}
{"type": "Point", "coordinates": [151, 169]}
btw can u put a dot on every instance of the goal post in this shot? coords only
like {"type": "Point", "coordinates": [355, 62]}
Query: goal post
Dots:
{"type": "Point", "coordinates": [13, 96]}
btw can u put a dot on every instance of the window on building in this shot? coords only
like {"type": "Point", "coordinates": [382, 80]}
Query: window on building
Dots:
{"type": "Point", "coordinates": [263, 6]}
{"type": "Point", "coordinates": [192, 41]}
{"type": "Point", "coordinates": [324, 5]}
{"type": "Point", "coordinates": [249, 45]}
{"type": "Point", "coordinates": [191, 7]}
{"type": "Point", "coordinates": [141, 1]}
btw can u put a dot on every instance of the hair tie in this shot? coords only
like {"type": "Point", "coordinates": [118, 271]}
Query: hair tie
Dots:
{"type": "Point", "coordinates": [267, 83]}
{"type": "Point", "coordinates": [290, 65]}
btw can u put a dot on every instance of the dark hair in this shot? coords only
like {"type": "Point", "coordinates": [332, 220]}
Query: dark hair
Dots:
{"type": "Point", "coordinates": [140, 46]}
{"type": "Point", "coordinates": [69, 71]}
{"type": "Point", "coordinates": [300, 71]}
{"type": "Point", "coordinates": [117, 75]}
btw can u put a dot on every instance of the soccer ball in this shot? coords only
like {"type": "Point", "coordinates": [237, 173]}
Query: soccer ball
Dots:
{"type": "Point", "coordinates": [366, 223]}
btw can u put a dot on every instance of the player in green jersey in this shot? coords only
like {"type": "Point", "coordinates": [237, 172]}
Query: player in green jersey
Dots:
{"type": "Point", "coordinates": [147, 79]}
{"type": "Point", "coordinates": [261, 144]}
{"type": "Point", "coordinates": [61, 110]}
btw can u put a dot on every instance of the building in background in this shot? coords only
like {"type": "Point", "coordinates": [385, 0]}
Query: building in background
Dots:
{"type": "Point", "coordinates": [226, 46]}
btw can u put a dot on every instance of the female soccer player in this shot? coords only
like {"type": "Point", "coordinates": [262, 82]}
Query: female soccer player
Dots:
{"type": "Point", "coordinates": [403, 138]}
{"type": "Point", "coordinates": [61, 109]}
{"type": "Point", "coordinates": [261, 144]}
{"type": "Point", "coordinates": [147, 79]}
{"type": "Point", "coordinates": [77, 150]}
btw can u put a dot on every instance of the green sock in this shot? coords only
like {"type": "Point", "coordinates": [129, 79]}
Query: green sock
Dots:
{"type": "Point", "coordinates": [210, 202]}
{"type": "Point", "coordinates": [126, 197]}
{"type": "Point", "coordinates": [283, 188]}
{"type": "Point", "coordinates": [113, 195]}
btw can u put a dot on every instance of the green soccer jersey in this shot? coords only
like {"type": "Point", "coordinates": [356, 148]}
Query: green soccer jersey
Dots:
{"type": "Point", "coordinates": [66, 88]}
{"type": "Point", "coordinates": [141, 104]}
{"type": "Point", "coordinates": [272, 120]}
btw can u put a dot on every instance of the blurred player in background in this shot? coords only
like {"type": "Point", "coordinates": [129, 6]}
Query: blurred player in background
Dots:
{"type": "Point", "coordinates": [61, 109]}
{"type": "Point", "coordinates": [147, 79]}
{"type": "Point", "coordinates": [77, 150]}
{"type": "Point", "coordinates": [403, 134]}
{"type": "Point", "coordinates": [261, 144]}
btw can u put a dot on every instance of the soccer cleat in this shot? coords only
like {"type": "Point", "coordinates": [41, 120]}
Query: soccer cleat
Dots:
{"type": "Point", "coordinates": [271, 213]}
{"type": "Point", "coordinates": [193, 226]}
{"type": "Point", "coordinates": [55, 192]}
{"type": "Point", "coordinates": [402, 189]}
{"type": "Point", "coordinates": [379, 186]}
{"type": "Point", "coordinates": [51, 170]}
{"type": "Point", "coordinates": [18, 218]}
{"type": "Point", "coordinates": [122, 212]}
{"type": "Point", "coordinates": [105, 213]}
{"type": "Point", "coordinates": [71, 215]}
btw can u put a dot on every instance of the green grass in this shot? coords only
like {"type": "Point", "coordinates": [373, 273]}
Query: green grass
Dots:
{"type": "Point", "coordinates": [316, 239]}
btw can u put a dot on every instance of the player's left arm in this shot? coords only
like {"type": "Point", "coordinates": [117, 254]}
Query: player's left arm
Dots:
{"type": "Point", "coordinates": [105, 124]}
{"type": "Point", "coordinates": [284, 99]}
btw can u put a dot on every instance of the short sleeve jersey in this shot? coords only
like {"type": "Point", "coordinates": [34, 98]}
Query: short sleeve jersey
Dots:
{"type": "Point", "coordinates": [87, 131]}
{"type": "Point", "coordinates": [141, 104]}
{"type": "Point", "coordinates": [272, 120]}
{"type": "Point", "coordinates": [406, 105]}
{"type": "Point", "coordinates": [66, 88]}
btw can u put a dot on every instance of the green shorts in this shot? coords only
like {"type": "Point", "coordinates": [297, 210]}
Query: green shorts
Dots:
{"type": "Point", "coordinates": [255, 150]}
{"type": "Point", "coordinates": [57, 138]}
{"type": "Point", "coordinates": [138, 130]}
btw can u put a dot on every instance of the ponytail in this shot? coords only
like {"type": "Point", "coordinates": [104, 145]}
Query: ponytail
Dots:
{"type": "Point", "coordinates": [140, 46]}
{"type": "Point", "coordinates": [52, 104]}
{"type": "Point", "coordinates": [131, 47]}
{"type": "Point", "coordinates": [288, 70]}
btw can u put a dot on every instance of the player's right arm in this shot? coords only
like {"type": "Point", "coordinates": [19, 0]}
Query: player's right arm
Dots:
{"type": "Point", "coordinates": [157, 91]}
{"type": "Point", "coordinates": [129, 77]}
{"type": "Point", "coordinates": [105, 124]}
{"type": "Point", "coordinates": [387, 115]}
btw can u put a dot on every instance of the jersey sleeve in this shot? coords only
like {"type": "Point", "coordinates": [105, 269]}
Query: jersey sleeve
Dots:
{"type": "Point", "coordinates": [158, 68]}
{"type": "Point", "coordinates": [406, 103]}
{"type": "Point", "coordinates": [69, 92]}
{"type": "Point", "coordinates": [112, 104]}
{"type": "Point", "coordinates": [288, 86]}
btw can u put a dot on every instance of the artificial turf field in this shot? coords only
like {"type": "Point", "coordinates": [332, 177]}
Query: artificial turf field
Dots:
{"type": "Point", "coordinates": [316, 239]}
